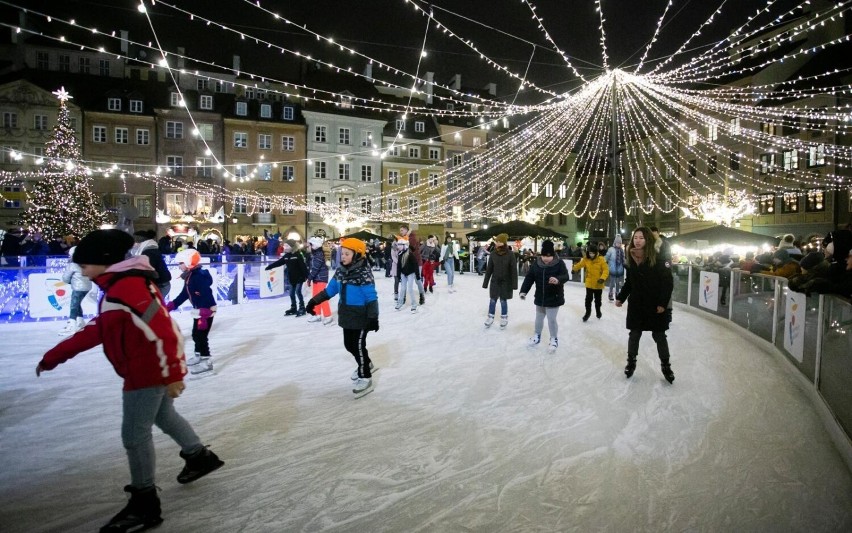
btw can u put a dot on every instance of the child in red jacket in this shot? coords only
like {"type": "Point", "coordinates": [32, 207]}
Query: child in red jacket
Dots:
{"type": "Point", "coordinates": [145, 347]}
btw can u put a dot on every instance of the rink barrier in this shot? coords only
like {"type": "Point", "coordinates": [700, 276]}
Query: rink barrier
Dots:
{"type": "Point", "coordinates": [813, 333]}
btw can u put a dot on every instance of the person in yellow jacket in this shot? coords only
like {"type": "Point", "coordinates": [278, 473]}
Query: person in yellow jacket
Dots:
{"type": "Point", "coordinates": [596, 275]}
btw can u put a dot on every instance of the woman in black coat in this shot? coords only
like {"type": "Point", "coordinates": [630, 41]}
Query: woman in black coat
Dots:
{"type": "Point", "coordinates": [649, 287]}
{"type": "Point", "coordinates": [501, 280]}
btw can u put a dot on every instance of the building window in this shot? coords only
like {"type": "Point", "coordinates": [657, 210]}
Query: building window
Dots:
{"type": "Point", "coordinates": [122, 136]}
{"type": "Point", "coordinates": [711, 165]}
{"type": "Point", "coordinates": [250, 94]}
{"type": "Point", "coordinates": [400, 125]}
{"type": "Point", "coordinates": [434, 153]}
{"type": "Point", "coordinates": [319, 200]}
{"type": "Point", "coordinates": [143, 136]}
{"type": "Point", "coordinates": [174, 130]}
{"type": "Point", "coordinates": [343, 135]}
{"type": "Point", "coordinates": [288, 173]}
{"type": "Point", "coordinates": [205, 101]}
{"type": "Point", "coordinates": [143, 206]}
{"type": "Point", "coordinates": [264, 141]}
{"type": "Point", "coordinates": [201, 84]}
{"type": "Point", "coordinates": [393, 204]}
{"type": "Point", "coordinates": [414, 177]}
{"type": "Point", "coordinates": [735, 127]}
{"type": "Point", "coordinates": [320, 134]}
{"type": "Point", "coordinates": [735, 160]}
{"type": "Point", "coordinates": [242, 109]}
{"type": "Point", "coordinates": [768, 128]}
{"type": "Point", "coordinates": [319, 170]}
{"type": "Point", "coordinates": [175, 164]}
{"type": "Point", "coordinates": [712, 132]}
{"type": "Point", "coordinates": [815, 200]}
{"type": "Point", "coordinates": [548, 190]}
{"type": "Point", "coordinates": [288, 143]}
{"type": "Point", "coordinates": [240, 205]}
{"type": "Point", "coordinates": [99, 134]}
{"type": "Point", "coordinates": [366, 206]}
{"type": "Point", "coordinates": [393, 177]}
{"type": "Point", "coordinates": [343, 203]}
{"type": "Point", "coordinates": [366, 172]}
{"type": "Point", "coordinates": [204, 167]}
{"type": "Point", "coordinates": [205, 131]}
{"type": "Point", "coordinates": [413, 206]}
{"type": "Point", "coordinates": [103, 67]}
{"type": "Point", "coordinates": [42, 61]}
{"type": "Point", "coordinates": [693, 137]}
{"type": "Point", "coordinates": [40, 122]}
{"type": "Point", "coordinates": [414, 152]}
{"type": "Point", "coordinates": [791, 160]}
{"type": "Point", "coordinates": [534, 189]}
{"type": "Point", "coordinates": [816, 155]}
{"type": "Point", "coordinates": [477, 141]}
{"type": "Point", "coordinates": [10, 120]}
{"type": "Point", "coordinates": [265, 110]}
{"type": "Point", "coordinates": [343, 171]}
{"type": "Point", "coordinates": [563, 191]}
{"type": "Point", "coordinates": [458, 159]}
{"type": "Point", "coordinates": [175, 100]}
{"type": "Point", "coordinates": [767, 163]}
{"type": "Point", "coordinates": [240, 139]}
{"type": "Point", "coordinates": [264, 172]}
{"type": "Point", "coordinates": [264, 205]}
{"type": "Point", "coordinates": [366, 138]}
{"type": "Point", "coordinates": [114, 104]}
{"type": "Point", "coordinates": [64, 63]}
{"type": "Point", "coordinates": [420, 127]}
{"type": "Point", "coordinates": [240, 171]}
{"type": "Point", "coordinates": [766, 204]}
{"type": "Point", "coordinates": [393, 151]}
{"type": "Point", "coordinates": [174, 203]}
{"type": "Point", "coordinates": [136, 106]}
{"type": "Point", "coordinates": [790, 202]}
{"type": "Point", "coordinates": [692, 168]}
{"type": "Point", "coordinates": [433, 179]}
{"type": "Point", "coordinates": [287, 113]}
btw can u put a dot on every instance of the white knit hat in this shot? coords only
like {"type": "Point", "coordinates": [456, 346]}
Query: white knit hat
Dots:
{"type": "Point", "coordinates": [316, 242]}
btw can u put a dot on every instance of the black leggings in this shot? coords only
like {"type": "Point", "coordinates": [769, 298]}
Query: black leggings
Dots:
{"type": "Point", "coordinates": [596, 294]}
{"type": "Point", "coordinates": [355, 342]}
{"type": "Point", "coordinates": [658, 336]}
{"type": "Point", "coordinates": [199, 337]}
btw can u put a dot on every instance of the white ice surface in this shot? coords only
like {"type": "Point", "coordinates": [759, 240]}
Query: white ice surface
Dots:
{"type": "Point", "coordinates": [467, 429]}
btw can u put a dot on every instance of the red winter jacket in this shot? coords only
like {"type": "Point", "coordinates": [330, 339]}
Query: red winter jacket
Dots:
{"type": "Point", "coordinates": [140, 338]}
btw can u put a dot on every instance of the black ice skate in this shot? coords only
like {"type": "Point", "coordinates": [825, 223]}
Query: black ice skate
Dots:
{"type": "Point", "coordinates": [198, 464]}
{"type": "Point", "coordinates": [631, 365]}
{"type": "Point", "coordinates": [141, 512]}
{"type": "Point", "coordinates": [667, 373]}
{"type": "Point", "coordinates": [301, 311]}
{"type": "Point", "coordinates": [290, 312]}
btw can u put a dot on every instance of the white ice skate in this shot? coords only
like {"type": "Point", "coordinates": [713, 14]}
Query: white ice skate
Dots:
{"type": "Point", "coordinates": [69, 329]}
{"type": "Point", "coordinates": [554, 344]}
{"type": "Point", "coordinates": [355, 376]}
{"type": "Point", "coordinates": [194, 360]}
{"type": "Point", "coordinates": [327, 321]}
{"type": "Point", "coordinates": [315, 318]}
{"type": "Point", "coordinates": [534, 340]}
{"type": "Point", "coordinates": [362, 387]}
{"type": "Point", "coordinates": [504, 321]}
{"type": "Point", "coordinates": [489, 321]}
{"type": "Point", "coordinates": [203, 369]}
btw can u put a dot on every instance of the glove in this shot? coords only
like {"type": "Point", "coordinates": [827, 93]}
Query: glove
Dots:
{"type": "Point", "coordinates": [373, 325]}
{"type": "Point", "coordinates": [523, 296]}
{"type": "Point", "coordinates": [170, 306]}
{"type": "Point", "coordinates": [310, 307]}
{"type": "Point", "coordinates": [268, 267]}
{"type": "Point", "coordinates": [601, 281]}
{"type": "Point", "coordinates": [202, 323]}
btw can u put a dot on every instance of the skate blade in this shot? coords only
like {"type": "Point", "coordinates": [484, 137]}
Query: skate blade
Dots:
{"type": "Point", "coordinates": [373, 371]}
{"type": "Point", "coordinates": [364, 392]}
{"type": "Point", "coordinates": [200, 375]}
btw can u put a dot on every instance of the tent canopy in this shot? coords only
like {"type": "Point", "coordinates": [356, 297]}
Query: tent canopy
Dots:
{"type": "Point", "coordinates": [516, 229]}
{"type": "Point", "coordinates": [723, 235]}
{"type": "Point", "coordinates": [365, 236]}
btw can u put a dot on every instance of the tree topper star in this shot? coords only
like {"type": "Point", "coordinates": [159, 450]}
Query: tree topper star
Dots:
{"type": "Point", "coordinates": [62, 94]}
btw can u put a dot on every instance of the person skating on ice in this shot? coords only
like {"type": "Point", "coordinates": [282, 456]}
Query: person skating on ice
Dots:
{"type": "Point", "coordinates": [549, 275]}
{"type": "Point", "coordinates": [198, 290]}
{"type": "Point", "coordinates": [449, 256]}
{"type": "Point", "coordinates": [407, 274]}
{"type": "Point", "coordinates": [318, 278]}
{"type": "Point", "coordinates": [647, 291]}
{"type": "Point", "coordinates": [145, 347]}
{"type": "Point", "coordinates": [80, 287]}
{"type": "Point", "coordinates": [615, 261]}
{"type": "Point", "coordinates": [357, 310]}
{"type": "Point", "coordinates": [596, 274]}
{"type": "Point", "coordinates": [501, 280]}
{"type": "Point", "coordinates": [297, 274]}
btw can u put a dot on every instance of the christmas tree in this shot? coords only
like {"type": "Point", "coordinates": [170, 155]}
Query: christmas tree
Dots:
{"type": "Point", "coordinates": [62, 201]}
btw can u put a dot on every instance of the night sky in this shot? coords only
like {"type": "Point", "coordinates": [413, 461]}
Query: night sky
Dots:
{"type": "Point", "coordinates": [391, 31]}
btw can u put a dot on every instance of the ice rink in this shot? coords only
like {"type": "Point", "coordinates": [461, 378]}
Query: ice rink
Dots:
{"type": "Point", "coordinates": [468, 430]}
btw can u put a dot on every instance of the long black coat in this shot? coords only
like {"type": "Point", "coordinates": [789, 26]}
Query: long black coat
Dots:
{"type": "Point", "coordinates": [502, 273]}
{"type": "Point", "coordinates": [646, 289]}
{"type": "Point", "coordinates": [546, 294]}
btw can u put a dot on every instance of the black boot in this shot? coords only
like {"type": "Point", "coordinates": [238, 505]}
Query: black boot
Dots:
{"type": "Point", "coordinates": [588, 314]}
{"type": "Point", "coordinates": [631, 365]}
{"type": "Point", "coordinates": [667, 372]}
{"type": "Point", "coordinates": [198, 464]}
{"type": "Point", "coordinates": [598, 311]}
{"type": "Point", "coordinates": [301, 311]}
{"type": "Point", "coordinates": [422, 299]}
{"type": "Point", "coordinates": [291, 311]}
{"type": "Point", "coordinates": [140, 513]}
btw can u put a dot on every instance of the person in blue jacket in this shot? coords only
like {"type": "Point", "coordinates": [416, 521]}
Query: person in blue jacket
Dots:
{"type": "Point", "coordinates": [197, 288]}
{"type": "Point", "coordinates": [358, 309]}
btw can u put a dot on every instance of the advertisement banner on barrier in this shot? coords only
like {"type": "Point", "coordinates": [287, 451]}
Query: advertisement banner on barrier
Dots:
{"type": "Point", "coordinates": [50, 297]}
{"type": "Point", "coordinates": [794, 325]}
{"type": "Point", "coordinates": [272, 282]}
{"type": "Point", "coordinates": [708, 296]}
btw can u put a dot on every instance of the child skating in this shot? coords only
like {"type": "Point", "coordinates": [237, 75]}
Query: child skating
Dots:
{"type": "Point", "coordinates": [501, 280]}
{"type": "Point", "coordinates": [80, 287]}
{"type": "Point", "coordinates": [297, 274]}
{"type": "Point", "coordinates": [145, 347]}
{"type": "Point", "coordinates": [596, 273]}
{"type": "Point", "coordinates": [318, 278]}
{"type": "Point", "coordinates": [197, 288]}
{"type": "Point", "coordinates": [358, 308]}
{"type": "Point", "coordinates": [549, 275]}
{"type": "Point", "coordinates": [407, 274]}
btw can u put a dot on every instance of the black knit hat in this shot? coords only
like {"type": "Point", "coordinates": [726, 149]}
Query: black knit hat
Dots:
{"type": "Point", "coordinates": [103, 247]}
{"type": "Point", "coordinates": [547, 248]}
{"type": "Point", "coordinates": [811, 260]}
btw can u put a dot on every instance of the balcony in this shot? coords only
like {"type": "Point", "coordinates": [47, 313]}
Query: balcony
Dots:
{"type": "Point", "coordinates": [263, 219]}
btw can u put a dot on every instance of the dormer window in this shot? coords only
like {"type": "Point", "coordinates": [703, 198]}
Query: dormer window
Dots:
{"type": "Point", "coordinates": [451, 107]}
{"type": "Point", "coordinates": [400, 125]}
{"type": "Point", "coordinates": [114, 104]}
{"type": "Point", "coordinates": [205, 101]}
{"type": "Point", "coordinates": [242, 109]}
{"type": "Point", "coordinates": [346, 102]}
{"type": "Point", "coordinates": [420, 126]}
{"type": "Point", "coordinates": [175, 100]}
{"type": "Point", "coordinates": [287, 113]}
{"type": "Point", "coordinates": [266, 110]}
{"type": "Point", "coordinates": [136, 106]}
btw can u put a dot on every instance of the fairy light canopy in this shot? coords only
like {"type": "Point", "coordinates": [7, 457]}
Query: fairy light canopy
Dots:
{"type": "Point", "coordinates": [749, 102]}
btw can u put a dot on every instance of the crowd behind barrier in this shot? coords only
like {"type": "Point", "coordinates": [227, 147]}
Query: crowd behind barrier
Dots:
{"type": "Point", "coordinates": [813, 332]}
